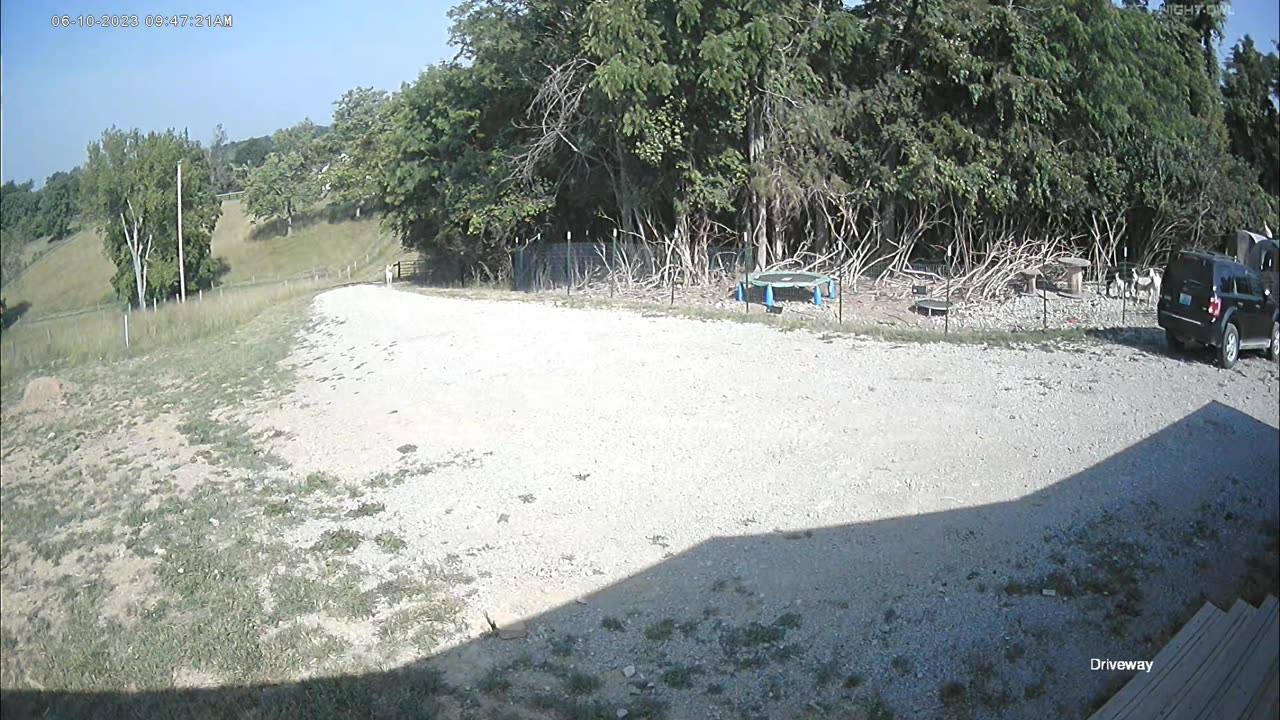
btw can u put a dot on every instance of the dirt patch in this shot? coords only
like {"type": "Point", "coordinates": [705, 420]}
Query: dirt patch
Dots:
{"type": "Point", "coordinates": [44, 394]}
{"type": "Point", "coordinates": [131, 578]}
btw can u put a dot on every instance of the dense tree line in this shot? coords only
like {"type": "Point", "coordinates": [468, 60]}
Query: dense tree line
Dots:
{"type": "Point", "coordinates": [27, 214]}
{"type": "Point", "coordinates": [798, 131]}
{"type": "Point", "coordinates": [861, 137]}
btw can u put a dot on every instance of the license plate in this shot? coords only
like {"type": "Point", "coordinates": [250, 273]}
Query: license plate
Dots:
{"type": "Point", "coordinates": [1184, 298]}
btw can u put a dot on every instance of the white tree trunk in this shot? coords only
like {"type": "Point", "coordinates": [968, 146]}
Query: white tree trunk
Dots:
{"type": "Point", "coordinates": [140, 257]}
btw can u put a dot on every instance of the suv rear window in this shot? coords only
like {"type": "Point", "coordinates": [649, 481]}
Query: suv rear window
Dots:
{"type": "Point", "coordinates": [1191, 270]}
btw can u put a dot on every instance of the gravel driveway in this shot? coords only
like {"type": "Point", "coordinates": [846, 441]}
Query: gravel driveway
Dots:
{"type": "Point", "coordinates": [754, 523]}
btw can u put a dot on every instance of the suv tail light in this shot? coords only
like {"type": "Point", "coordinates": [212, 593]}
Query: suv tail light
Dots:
{"type": "Point", "coordinates": [1215, 307]}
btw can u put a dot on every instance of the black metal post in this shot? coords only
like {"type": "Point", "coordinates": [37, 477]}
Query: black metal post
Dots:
{"type": "Point", "coordinates": [946, 318]}
{"type": "Point", "coordinates": [840, 301]}
{"type": "Point", "coordinates": [1124, 296]}
{"type": "Point", "coordinates": [1044, 295]}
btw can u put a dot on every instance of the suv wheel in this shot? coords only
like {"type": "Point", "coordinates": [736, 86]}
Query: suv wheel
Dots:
{"type": "Point", "coordinates": [1273, 350]}
{"type": "Point", "coordinates": [1229, 348]}
{"type": "Point", "coordinates": [1175, 342]}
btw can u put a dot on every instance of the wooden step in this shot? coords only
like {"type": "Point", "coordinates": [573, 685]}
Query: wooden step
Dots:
{"type": "Point", "coordinates": [1197, 700]}
{"type": "Point", "coordinates": [1194, 642]}
{"type": "Point", "coordinates": [1162, 700]}
{"type": "Point", "coordinates": [1266, 705]}
{"type": "Point", "coordinates": [1256, 666]}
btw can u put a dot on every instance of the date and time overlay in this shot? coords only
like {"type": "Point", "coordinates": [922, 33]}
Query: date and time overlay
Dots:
{"type": "Point", "coordinates": [180, 20]}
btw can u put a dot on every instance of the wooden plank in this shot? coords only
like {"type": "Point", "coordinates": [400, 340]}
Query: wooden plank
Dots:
{"type": "Point", "coordinates": [1200, 631]}
{"type": "Point", "coordinates": [1176, 684]}
{"type": "Point", "coordinates": [1203, 690]}
{"type": "Point", "coordinates": [1266, 705]}
{"type": "Point", "coordinates": [1258, 665]}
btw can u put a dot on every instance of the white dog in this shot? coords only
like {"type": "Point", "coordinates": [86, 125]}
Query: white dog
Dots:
{"type": "Point", "coordinates": [1147, 284]}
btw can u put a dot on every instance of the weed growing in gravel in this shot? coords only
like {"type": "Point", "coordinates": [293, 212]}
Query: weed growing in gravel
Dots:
{"type": "Point", "coordinates": [317, 482]}
{"type": "Point", "coordinates": [661, 630]}
{"type": "Point", "coordinates": [230, 442]}
{"type": "Point", "coordinates": [562, 645]}
{"type": "Point", "coordinates": [580, 683]}
{"type": "Point", "coordinates": [612, 623]}
{"type": "Point", "coordinates": [748, 646]}
{"type": "Point", "coordinates": [389, 541]}
{"type": "Point", "coordinates": [495, 683]}
{"type": "Point", "coordinates": [367, 509]}
{"type": "Point", "coordinates": [680, 677]}
{"type": "Point", "coordinates": [901, 664]}
{"type": "Point", "coordinates": [951, 693]}
{"type": "Point", "coordinates": [341, 540]}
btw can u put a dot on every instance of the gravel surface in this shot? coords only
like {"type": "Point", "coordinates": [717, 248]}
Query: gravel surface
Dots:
{"type": "Point", "coordinates": [768, 524]}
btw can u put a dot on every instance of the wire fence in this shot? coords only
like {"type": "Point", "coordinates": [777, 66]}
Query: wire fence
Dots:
{"type": "Point", "coordinates": [547, 266]}
{"type": "Point", "coordinates": [109, 329]}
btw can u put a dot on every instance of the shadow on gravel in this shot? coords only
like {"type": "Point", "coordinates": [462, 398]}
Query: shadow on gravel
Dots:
{"type": "Point", "coordinates": [1151, 341]}
{"type": "Point", "coordinates": [944, 614]}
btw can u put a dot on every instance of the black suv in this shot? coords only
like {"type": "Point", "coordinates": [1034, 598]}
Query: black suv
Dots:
{"type": "Point", "coordinates": [1214, 300]}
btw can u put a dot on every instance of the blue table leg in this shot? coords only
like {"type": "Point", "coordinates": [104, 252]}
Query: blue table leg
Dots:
{"type": "Point", "coordinates": [831, 289]}
{"type": "Point", "coordinates": [741, 293]}
{"type": "Point", "coordinates": [768, 295]}
{"type": "Point", "coordinates": [817, 295]}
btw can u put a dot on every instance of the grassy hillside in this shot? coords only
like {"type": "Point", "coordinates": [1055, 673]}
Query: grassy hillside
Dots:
{"type": "Point", "coordinates": [73, 275]}
{"type": "Point", "coordinates": [262, 249]}
{"type": "Point", "coordinates": [76, 274]}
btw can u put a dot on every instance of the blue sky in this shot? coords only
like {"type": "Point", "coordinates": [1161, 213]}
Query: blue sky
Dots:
{"type": "Point", "coordinates": [278, 63]}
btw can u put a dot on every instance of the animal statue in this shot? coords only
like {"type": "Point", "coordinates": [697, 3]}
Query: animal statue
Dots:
{"type": "Point", "coordinates": [1121, 284]}
{"type": "Point", "coordinates": [1147, 285]}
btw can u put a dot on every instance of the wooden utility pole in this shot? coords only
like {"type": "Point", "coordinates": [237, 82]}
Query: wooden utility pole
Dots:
{"type": "Point", "coordinates": [182, 269]}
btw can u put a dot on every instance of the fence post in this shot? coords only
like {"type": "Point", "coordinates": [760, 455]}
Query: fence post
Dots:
{"type": "Point", "coordinates": [613, 258]}
{"type": "Point", "coordinates": [1124, 294]}
{"type": "Point", "coordinates": [200, 294]}
{"type": "Point", "coordinates": [126, 329]}
{"type": "Point", "coordinates": [568, 260]}
{"type": "Point", "coordinates": [946, 319]}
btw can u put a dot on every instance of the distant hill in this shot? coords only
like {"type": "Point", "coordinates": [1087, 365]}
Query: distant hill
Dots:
{"type": "Point", "coordinates": [75, 274]}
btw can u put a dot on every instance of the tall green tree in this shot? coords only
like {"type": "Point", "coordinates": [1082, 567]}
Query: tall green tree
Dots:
{"type": "Point", "coordinates": [19, 205]}
{"type": "Point", "coordinates": [251, 153]}
{"type": "Point", "coordinates": [129, 186]}
{"type": "Point", "coordinates": [359, 147]}
{"type": "Point", "coordinates": [59, 204]}
{"type": "Point", "coordinates": [289, 180]}
{"type": "Point", "coordinates": [1208, 19]}
{"type": "Point", "coordinates": [221, 161]}
{"type": "Point", "coordinates": [1251, 91]}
